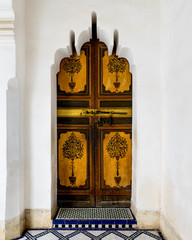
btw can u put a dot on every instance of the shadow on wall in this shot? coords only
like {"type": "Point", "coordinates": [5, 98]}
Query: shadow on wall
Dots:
{"type": "Point", "coordinates": [75, 45]}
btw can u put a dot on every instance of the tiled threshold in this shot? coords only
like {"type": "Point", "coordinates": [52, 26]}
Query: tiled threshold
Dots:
{"type": "Point", "coordinates": [56, 234]}
{"type": "Point", "coordinates": [95, 224]}
{"type": "Point", "coordinates": [94, 218]}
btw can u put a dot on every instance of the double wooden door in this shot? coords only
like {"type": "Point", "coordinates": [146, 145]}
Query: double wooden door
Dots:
{"type": "Point", "coordinates": [94, 124]}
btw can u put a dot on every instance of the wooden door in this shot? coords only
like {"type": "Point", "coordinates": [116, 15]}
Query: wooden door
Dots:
{"type": "Point", "coordinates": [94, 106]}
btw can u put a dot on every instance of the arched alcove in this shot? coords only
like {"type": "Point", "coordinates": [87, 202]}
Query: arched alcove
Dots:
{"type": "Point", "coordinates": [60, 54]}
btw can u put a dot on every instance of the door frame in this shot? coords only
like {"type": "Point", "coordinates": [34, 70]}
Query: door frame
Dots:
{"type": "Point", "coordinates": [55, 68]}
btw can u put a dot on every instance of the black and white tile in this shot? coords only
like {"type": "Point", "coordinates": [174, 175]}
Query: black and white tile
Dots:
{"type": "Point", "coordinates": [94, 218]}
{"type": "Point", "coordinates": [94, 226]}
{"type": "Point", "coordinates": [95, 213]}
{"type": "Point", "coordinates": [56, 234]}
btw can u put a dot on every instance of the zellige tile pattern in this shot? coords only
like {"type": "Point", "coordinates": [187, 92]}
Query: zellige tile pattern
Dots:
{"type": "Point", "coordinates": [90, 218]}
{"type": "Point", "coordinates": [95, 213]}
{"type": "Point", "coordinates": [54, 234]}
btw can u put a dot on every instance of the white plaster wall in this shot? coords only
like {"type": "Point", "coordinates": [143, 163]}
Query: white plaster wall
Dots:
{"type": "Point", "coordinates": [48, 24]}
{"type": "Point", "coordinates": [19, 10]}
{"type": "Point", "coordinates": [11, 168]}
{"type": "Point", "coordinates": [7, 71]}
{"type": "Point", "coordinates": [177, 121]}
{"type": "Point", "coordinates": [13, 163]}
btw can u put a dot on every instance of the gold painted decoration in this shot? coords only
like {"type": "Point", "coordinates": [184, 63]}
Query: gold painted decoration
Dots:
{"type": "Point", "coordinates": [117, 148]}
{"type": "Point", "coordinates": [94, 124]}
{"type": "Point", "coordinates": [116, 77]}
{"type": "Point", "coordinates": [72, 66]}
{"type": "Point", "coordinates": [72, 149]}
{"type": "Point", "coordinates": [117, 155]}
{"type": "Point", "coordinates": [72, 159]}
{"type": "Point", "coordinates": [72, 77]}
{"type": "Point", "coordinates": [116, 65]}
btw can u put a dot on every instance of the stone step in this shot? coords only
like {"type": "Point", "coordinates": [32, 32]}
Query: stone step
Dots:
{"type": "Point", "coordinates": [94, 218]}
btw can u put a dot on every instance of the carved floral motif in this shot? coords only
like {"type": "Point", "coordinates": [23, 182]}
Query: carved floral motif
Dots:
{"type": "Point", "coordinates": [73, 149]}
{"type": "Point", "coordinates": [116, 65]}
{"type": "Point", "coordinates": [72, 66]}
{"type": "Point", "coordinates": [117, 148]}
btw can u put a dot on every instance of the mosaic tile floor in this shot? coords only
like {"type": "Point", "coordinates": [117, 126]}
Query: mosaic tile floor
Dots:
{"type": "Point", "coordinates": [95, 213]}
{"type": "Point", "coordinates": [90, 218]}
{"type": "Point", "coordinates": [56, 234]}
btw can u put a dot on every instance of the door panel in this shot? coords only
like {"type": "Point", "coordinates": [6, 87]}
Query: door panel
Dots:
{"type": "Point", "coordinates": [114, 157]}
{"type": "Point", "coordinates": [115, 150]}
{"type": "Point", "coordinates": [74, 74]}
{"type": "Point", "coordinates": [115, 166]}
{"type": "Point", "coordinates": [75, 171]}
{"type": "Point", "coordinates": [73, 159]}
{"type": "Point", "coordinates": [114, 75]}
{"type": "Point", "coordinates": [94, 117]}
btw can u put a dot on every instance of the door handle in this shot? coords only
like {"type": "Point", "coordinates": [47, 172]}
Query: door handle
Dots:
{"type": "Point", "coordinates": [96, 112]}
{"type": "Point", "coordinates": [63, 112]}
{"type": "Point", "coordinates": [101, 112]}
{"type": "Point", "coordinates": [110, 112]}
{"type": "Point", "coordinates": [90, 112]}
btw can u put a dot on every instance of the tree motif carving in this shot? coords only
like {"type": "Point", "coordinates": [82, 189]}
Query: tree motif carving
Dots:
{"type": "Point", "coordinates": [72, 65]}
{"type": "Point", "coordinates": [73, 149]}
{"type": "Point", "coordinates": [117, 65]}
{"type": "Point", "coordinates": [117, 148]}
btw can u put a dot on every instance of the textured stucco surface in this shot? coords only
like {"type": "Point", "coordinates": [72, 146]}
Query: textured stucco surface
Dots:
{"type": "Point", "coordinates": [176, 195]}
{"type": "Point", "coordinates": [38, 218]}
{"type": "Point", "coordinates": [155, 37]}
{"type": "Point", "coordinates": [48, 26]}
